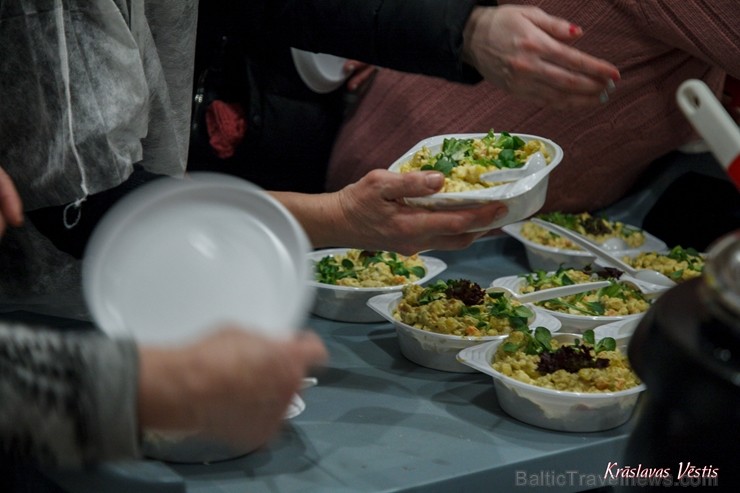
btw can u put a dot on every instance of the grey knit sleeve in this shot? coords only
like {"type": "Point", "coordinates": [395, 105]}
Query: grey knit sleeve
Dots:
{"type": "Point", "coordinates": [66, 398]}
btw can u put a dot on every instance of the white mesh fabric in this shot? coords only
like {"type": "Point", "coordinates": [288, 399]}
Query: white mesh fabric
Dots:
{"type": "Point", "coordinates": [89, 88]}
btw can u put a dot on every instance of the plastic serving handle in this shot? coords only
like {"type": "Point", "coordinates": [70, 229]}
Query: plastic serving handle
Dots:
{"type": "Point", "coordinates": [713, 123]}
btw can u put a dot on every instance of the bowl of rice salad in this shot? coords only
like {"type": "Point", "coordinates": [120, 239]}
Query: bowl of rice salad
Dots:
{"type": "Point", "coordinates": [346, 278]}
{"type": "Point", "coordinates": [579, 312]}
{"type": "Point", "coordinates": [463, 158]}
{"type": "Point", "coordinates": [564, 382]}
{"type": "Point", "coordinates": [434, 322]}
{"type": "Point", "coordinates": [548, 251]}
{"type": "Point", "coordinates": [678, 264]}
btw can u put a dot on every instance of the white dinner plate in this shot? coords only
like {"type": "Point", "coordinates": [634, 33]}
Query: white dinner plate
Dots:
{"type": "Point", "coordinates": [179, 257]}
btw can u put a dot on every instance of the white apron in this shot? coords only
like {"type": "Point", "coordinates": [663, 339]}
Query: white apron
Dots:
{"type": "Point", "coordinates": [89, 87]}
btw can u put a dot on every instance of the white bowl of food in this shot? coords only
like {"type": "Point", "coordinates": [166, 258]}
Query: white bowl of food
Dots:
{"type": "Point", "coordinates": [420, 343]}
{"type": "Point", "coordinates": [579, 312]}
{"type": "Point", "coordinates": [539, 393]}
{"type": "Point", "coordinates": [548, 251]}
{"type": "Point", "coordinates": [678, 264]}
{"type": "Point", "coordinates": [463, 157]}
{"type": "Point", "coordinates": [339, 296]}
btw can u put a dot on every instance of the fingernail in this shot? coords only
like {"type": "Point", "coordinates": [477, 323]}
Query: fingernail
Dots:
{"type": "Point", "coordinates": [350, 67]}
{"type": "Point", "coordinates": [573, 29]}
{"type": "Point", "coordinates": [611, 86]}
{"type": "Point", "coordinates": [604, 96]}
{"type": "Point", "coordinates": [435, 180]}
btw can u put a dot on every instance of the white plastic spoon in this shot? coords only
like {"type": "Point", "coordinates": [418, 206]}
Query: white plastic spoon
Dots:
{"type": "Point", "coordinates": [548, 294]}
{"type": "Point", "coordinates": [648, 289]}
{"type": "Point", "coordinates": [535, 163]}
{"type": "Point", "coordinates": [646, 275]}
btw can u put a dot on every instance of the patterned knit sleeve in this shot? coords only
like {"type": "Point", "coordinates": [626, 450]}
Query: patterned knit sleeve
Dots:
{"type": "Point", "coordinates": [66, 398]}
{"type": "Point", "coordinates": [709, 31]}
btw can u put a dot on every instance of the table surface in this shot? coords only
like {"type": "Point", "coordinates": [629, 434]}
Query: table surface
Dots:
{"type": "Point", "coordinates": [380, 423]}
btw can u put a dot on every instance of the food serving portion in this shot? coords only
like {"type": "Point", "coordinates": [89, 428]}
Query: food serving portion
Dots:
{"type": "Point", "coordinates": [564, 382]}
{"type": "Point", "coordinates": [345, 279]}
{"type": "Point", "coordinates": [585, 310]}
{"type": "Point", "coordinates": [583, 365]}
{"type": "Point", "coordinates": [614, 300]}
{"type": "Point", "coordinates": [598, 229]}
{"type": "Point", "coordinates": [435, 322]}
{"type": "Point", "coordinates": [461, 307]}
{"type": "Point", "coordinates": [463, 160]}
{"type": "Point", "coordinates": [369, 269]}
{"type": "Point", "coordinates": [679, 264]}
{"type": "Point", "coordinates": [548, 251]}
{"type": "Point", "coordinates": [466, 158]}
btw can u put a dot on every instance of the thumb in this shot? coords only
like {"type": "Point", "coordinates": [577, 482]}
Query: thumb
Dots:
{"type": "Point", "coordinates": [311, 349]}
{"type": "Point", "coordinates": [413, 184]}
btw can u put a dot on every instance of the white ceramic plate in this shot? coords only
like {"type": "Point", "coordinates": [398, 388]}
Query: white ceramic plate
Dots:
{"type": "Point", "coordinates": [179, 257]}
{"type": "Point", "coordinates": [321, 72]}
{"type": "Point", "coordinates": [523, 197]}
{"type": "Point", "coordinates": [543, 257]}
{"type": "Point", "coordinates": [570, 322]}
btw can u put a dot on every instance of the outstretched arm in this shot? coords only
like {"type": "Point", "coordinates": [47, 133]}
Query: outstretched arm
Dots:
{"type": "Point", "coordinates": [519, 48]}
{"type": "Point", "coordinates": [371, 214]}
{"type": "Point", "coordinates": [74, 398]}
{"type": "Point", "coordinates": [66, 398]}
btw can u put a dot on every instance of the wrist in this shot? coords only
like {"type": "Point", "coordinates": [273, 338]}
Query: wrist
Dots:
{"type": "Point", "coordinates": [320, 215]}
{"type": "Point", "coordinates": [469, 33]}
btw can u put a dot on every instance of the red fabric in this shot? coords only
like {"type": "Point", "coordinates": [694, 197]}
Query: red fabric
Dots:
{"type": "Point", "coordinates": [226, 127]}
{"type": "Point", "coordinates": [734, 171]}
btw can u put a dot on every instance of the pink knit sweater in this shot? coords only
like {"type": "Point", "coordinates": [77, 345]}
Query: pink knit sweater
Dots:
{"type": "Point", "coordinates": [657, 44]}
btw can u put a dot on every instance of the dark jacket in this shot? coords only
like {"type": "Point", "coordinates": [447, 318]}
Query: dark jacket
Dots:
{"type": "Point", "coordinates": [243, 48]}
{"type": "Point", "coordinates": [420, 36]}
